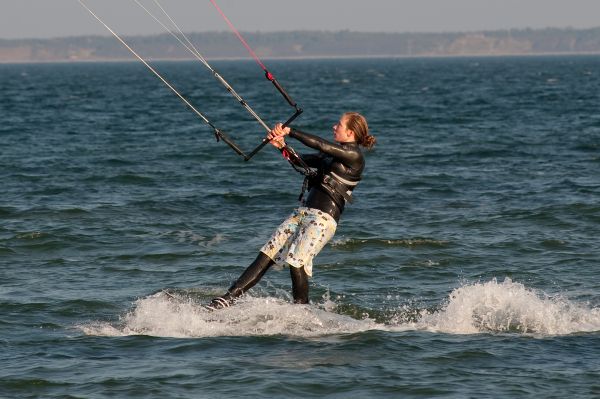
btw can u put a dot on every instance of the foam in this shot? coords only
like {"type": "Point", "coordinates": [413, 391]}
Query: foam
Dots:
{"type": "Point", "coordinates": [490, 307]}
{"type": "Point", "coordinates": [160, 316]}
{"type": "Point", "coordinates": [503, 307]}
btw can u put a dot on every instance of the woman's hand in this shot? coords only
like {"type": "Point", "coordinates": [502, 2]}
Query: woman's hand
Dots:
{"type": "Point", "coordinates": [277, 135]}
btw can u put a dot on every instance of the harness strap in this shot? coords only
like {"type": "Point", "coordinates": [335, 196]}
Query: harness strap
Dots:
{"type": "Point", "coordinates": [336, 188]}
{"type": "Point", "coordinates": [351, 183]}
{"type": "Point", "coordinates": [305, 184]}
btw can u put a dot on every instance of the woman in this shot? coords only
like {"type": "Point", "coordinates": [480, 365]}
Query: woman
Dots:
{"type": "Point", "coordinates": [305, 232]}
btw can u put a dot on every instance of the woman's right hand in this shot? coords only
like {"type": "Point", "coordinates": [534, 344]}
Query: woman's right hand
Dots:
{"type": "Point", "coordinates": [277, 135]}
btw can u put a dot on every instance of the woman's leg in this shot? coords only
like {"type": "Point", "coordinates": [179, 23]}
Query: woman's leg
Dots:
{"type": "Point", "coordinates": [299, 284]}
{"type": "Point", "coordinates": [247, 280]}
{"type": "Point", "coordinates": [251, 275]}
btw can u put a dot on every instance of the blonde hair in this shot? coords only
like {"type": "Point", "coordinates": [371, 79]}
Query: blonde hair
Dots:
{"type": "Point", "coordinates": [358, 124]}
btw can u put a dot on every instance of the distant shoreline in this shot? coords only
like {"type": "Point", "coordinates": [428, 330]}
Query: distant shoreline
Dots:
{"type": "Point", "coordinates": [306, 45]}
{"type": "Point", "coordinates": [307, 58]}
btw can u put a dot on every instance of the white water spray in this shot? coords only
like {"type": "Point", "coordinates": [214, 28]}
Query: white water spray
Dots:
{"type": "Point", "coordinates": [507, 307]}
{"type": "Point", "coordinates": [491, 307]}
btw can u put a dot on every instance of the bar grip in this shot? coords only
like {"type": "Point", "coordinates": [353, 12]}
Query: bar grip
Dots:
{"type": "Point", "coordinates": [220, 135]}
{"type": "Point", "coordinates": [265, 141]}
{"type": "Point", "coordinates": [280, 88]}
{"type": "Point", "coordinates": [284, 93]}
{"type": "Point", "coordinates": [296, 114]}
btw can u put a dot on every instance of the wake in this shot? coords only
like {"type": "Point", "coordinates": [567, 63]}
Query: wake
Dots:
{"type": "Point", "coordinates": [492, 307]}
{"type": "Point", "coordinates": [160, 315]}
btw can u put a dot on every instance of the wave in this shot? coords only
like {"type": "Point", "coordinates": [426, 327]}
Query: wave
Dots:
{"type": "Point", "coordinates": [127, 178]}
{"type": "Point", "coordinates": [6, 211]}
{"type": "Point", "coordinates": [188, 236]}
{"type": "Point", "coordinates": [354, 243]}
{"type": "Point", "coordinates": [6, 251]}
{"type": "Point", "coordinates": [490, 307]}
{"type": "Point", "coordinates": [40, 211]}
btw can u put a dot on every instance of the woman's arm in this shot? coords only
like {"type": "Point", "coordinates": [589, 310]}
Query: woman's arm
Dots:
{"type": "Point", "coordinates": [338, 151]}
{"type": "Point", "coordinates": [325, 146]}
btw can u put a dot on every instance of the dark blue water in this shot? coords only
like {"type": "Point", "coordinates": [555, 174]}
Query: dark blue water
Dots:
{"type": "Point", "coordinates": [467, 266]}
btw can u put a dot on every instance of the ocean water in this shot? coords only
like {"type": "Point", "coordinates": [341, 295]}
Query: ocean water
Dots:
{"type": "Point", "coordinates": [466, 268]}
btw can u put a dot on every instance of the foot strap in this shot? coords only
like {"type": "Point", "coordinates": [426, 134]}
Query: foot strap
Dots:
{"type": "Point", "coordinates": [218, 303]}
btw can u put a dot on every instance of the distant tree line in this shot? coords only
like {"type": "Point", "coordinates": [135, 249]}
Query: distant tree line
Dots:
{"type": "Point", "coordinates": [310, 44]}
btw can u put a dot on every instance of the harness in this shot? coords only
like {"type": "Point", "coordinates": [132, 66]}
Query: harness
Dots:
{"type": "Point", "coordinates": [337, 187]}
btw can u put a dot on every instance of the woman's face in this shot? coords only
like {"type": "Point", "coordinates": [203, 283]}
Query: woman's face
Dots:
{"type": "Point", "coordinates": [341, 133]}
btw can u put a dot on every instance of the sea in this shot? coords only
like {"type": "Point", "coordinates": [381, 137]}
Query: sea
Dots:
{"type": "Point", "coordinates": [466, 267]}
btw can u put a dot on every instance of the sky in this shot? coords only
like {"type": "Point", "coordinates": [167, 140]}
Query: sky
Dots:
{"type": "Point", "coordinates": [59, 18]}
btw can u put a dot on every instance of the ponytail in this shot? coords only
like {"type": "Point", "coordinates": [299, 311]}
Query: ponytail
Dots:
{"type": "Point", "coordinates": [358, 124]}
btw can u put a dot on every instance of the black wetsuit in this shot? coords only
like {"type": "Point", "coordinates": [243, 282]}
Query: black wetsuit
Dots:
{"type": "Point", "coordinates": [336, 165]}
{"type": "Point", "coordinates": [338, 170]}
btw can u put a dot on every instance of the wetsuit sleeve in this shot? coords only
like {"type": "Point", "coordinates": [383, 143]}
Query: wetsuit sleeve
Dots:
{"type": "Point", "coordinates": [326, 147]}
{"type": "Point", "coordinates": [312, 160]}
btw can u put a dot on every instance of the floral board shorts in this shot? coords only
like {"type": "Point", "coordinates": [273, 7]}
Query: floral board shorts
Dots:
{"type": "Point", "coordinates": [300, 238]}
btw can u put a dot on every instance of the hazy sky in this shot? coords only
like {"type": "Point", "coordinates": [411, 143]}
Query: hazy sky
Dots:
{"type": "Point", "coordinates": [55, 18]}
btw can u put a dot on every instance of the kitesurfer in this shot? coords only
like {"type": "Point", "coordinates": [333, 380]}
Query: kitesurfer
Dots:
{"type": "Point", "coordinates": [339, 166]}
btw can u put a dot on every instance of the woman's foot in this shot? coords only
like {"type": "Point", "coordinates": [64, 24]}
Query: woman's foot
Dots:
{"type": "Point", "coordinates": [219, 303]}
